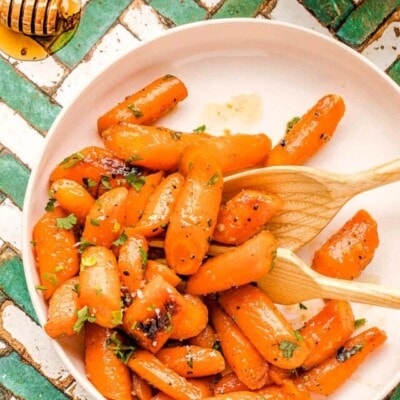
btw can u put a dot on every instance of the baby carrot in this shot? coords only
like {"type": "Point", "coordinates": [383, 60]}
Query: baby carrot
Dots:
{"type": "Point", "coordinates": [91, 167]}
{"type": "Point", "coordinates": [161, 396]}
{"type": "Point", "coordinates": [233, 153]}
{"type": "Point", "coordinates": [99, 286]}
{"type": "Point", "coordinates": [104, 369]}
{"type": "Point", "coordinates": [154, 268]}
{"type": "Point", "coordinates": [228, 384]}
{"type": "Point", "coordinates": [132, 262]}
{"type": "Point", "coordinates": [285, 391]}
{"type": "Point", "coordinates": [150, 317]}
{"type": "Point", "coordinates": [204, 384]}
{"type": "Point", "coordinates": [192, 361]}
{"type": "Point", "coordinates": [157, 213]}
{"type": "Point", "coordinates": [55, 250]}
{"type": "Point", "coordinates": [147, 105]}
{"type": "Point", "coordinates": [247, 363]}
{"type": "Point", "coordinates": [327, 331]}
{"type": "Point", "coordinates": [326, 377]}
{"type": "Point", "coordinates": [231, 269]}
{"type": "Point", "coordinates": [265, 326]}
{"type": "Point", "coordinates": [106, 218]}
{"type": "Point", "coordinates": [206, 338]}
{"type": "Point", "coordinates": [150, 368]}
{"type": "Point", "coordinates": [346, 254]}
{"type": "Point", "coordinates": [139, 196]}
{"type": "Point", "coordinates": [194, 216]}
{"type": "Point", "coordinates": [140, 388]}
{"type": "Point", "coordinates": [314, 129]}
{"type": "Point", "coordinates": [153, 147]}
{"type": "Point", "coordinates": [244, 215]}
{"type": "Point", "coordinates": [72, 197]}
{"type": "Point", "coordinates": [63, 308]}
{"type": "Point", "coordinates": [191, 319]}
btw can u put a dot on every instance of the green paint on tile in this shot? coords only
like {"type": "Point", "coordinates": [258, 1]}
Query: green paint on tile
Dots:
{"type": "Point", "coordinates": [365, 20]}
{"type": "Point", "coordinates": [13, 178]}
{"type": "Point", "coordinates": [238, 8]}
{"type": "Point", "coordinates": [15, 374]}
{"type": "Point", "coordinates": [394, 71]}
{"type": "Point", "coordinates": [25, 97]}
{"type": "Point", "coordinates": [330, 13]}
{"type": "Point", "coordinates": [97, 17]}
{"type": "Point", "coordinates": [179, 11]}
{"type": "Point", "coordinates": [12, 283]}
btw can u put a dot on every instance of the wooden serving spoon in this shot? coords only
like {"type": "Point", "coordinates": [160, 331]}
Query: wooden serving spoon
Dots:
{"type": "Point", "coordinates": [293, 281]}
{"type": "Point", "coordinates": [311, 197]}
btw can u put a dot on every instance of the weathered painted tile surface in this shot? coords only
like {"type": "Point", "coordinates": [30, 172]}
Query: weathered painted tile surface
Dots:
{"type": "Point", "coordinates": [32, 94]}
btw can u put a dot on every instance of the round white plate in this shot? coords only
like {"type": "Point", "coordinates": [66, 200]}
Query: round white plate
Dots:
{"type": "Point", "coordinates": [284, 70]}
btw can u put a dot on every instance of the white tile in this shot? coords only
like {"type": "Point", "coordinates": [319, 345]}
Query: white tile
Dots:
{"type": "Point", "coordinates": [116, 43]}
{"type": "Point", "coordinates": [142, 20]}
{"type": "Point", "coordinates": [34, 340]}
{"type": "Point", "coordinates": [293, 12]}
{"type": "Point", "coordinates": [77, 392]}
{"type": "Point", "coordinates": [18, 136]}
{"type": "Point", "coordinates": [384, 51]}
{"type": "Point", "coordinates": [210, 3]}
{"type": "Point", "coordinates": [45, 73]}
{"type": "Point", "coordinates": [11, 223]}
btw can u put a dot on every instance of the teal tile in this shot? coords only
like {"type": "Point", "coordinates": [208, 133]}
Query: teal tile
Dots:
{"type": "Point", "coordinates": [13, 178]}
{"type": "Point", "coordinates": [330, 13]}
{"type": "Point", "coordinates": [3, 296]}
{"type": "Point", "coordinates": [396, 394]}
{"type": "Point", "coordinates": [26, 98]}
{"type": "Point", "coordinates": [97, 18]}
{"type": "Point", "coordinates": [24, 381]}
{"type": "Point", "coordinates": [238, 8]}
{"type": "Point", "coordinates": [179, 11]}
{"type": "Point", "coordinates": [365, 20]}
{"type": "Point", "coordinates": [12, 283]}
{"type": "Point", "coordinates": [394, 71]}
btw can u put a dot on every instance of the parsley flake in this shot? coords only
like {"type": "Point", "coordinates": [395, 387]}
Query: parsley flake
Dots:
{"type": "Point", "coordinates": [137, 113]}
{"type": "Point", "coordinates": [84, 245]}
{"type": "Point", "coordinates": [105, 181]}
{"type": "Point", "coordinates": [143, 256]}
{"type": "Point", "coordinates": [122, 351]}
{"type": "Point", "coordinates": [83, 316]}
{"type": "Point", "coordinates": [287, 347]}
{"type": "Point", "coordinates": [189, 360]}
{"type": "Point", "coordinates": [359, 322]}
{"type": "Point", "coordinates": [50, 204]}
{"type": "Point", "coordinates": [67, 222]}
{"type": "Point", "coordinates": [121, 240]}
{"type": "Point", "coordinates": [135, 181]}
{"type": "Point", "coordinates": [41, 287]}
{"type": "Point", "coordinates": [116, 317]}
{"type": "Point", "coordinates": [292, 123]}
{"type": "Point", "coordinates": [72, 160]}
{"type": "Point", "coordinates": [95, 222]}
{"type": "Point", "coordinates": [90, 183]}
{"type": "Point", "coordinates": [302, 306]}
{"type": "Point", "coordinates": [135, 157]}
{"type": "Point", "coordinates": [176, 135]}
{"type": "Point", "coordinates": [213, 180]}
{"type": "Point", "coordinates": [201, 128]}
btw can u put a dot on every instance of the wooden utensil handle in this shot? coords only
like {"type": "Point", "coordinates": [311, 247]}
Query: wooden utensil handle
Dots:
{"type": "Point", "coordinates": [360, 292]}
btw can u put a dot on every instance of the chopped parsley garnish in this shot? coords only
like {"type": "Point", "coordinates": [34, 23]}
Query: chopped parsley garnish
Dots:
{"type": "Point", "coordinates": [121, 240]}
{"type": "Point", "coordinates": [189, 360]}
{"type": "Point", "coordinates": [344, 354]}
{"type": "Point", "coordinates": [298, 336]}
{"type": "Point", "coordinates": [135, 181]}
{"type": "Point", "coordinates": [84, 245]}
{"type": "Point", "coordinates": [50, 204]}
{"type": "Point", "coordinates": [168, 76]}
{"type": "Point", "coordinates": [201, 128]}
{"type": "Point", "coordinates": [176, 135]}
{"type": "Point", "coordinates": [41, 287]}
{"type": "Point", "coordinates": [95, 222]}
{"type": "Point", "coordinates": [359, 322]}
{"type": "Point", "coordinates": [213, 180]}
{"type": "Point", "coordinates": [137, 113]}
{"type": "Point", "coordinates": [122, 351]}
{"type": "Point", "coordinates": [72, 160]}
{"type": "Point", "coordinates": [292, 123]}
{"type": "Point", "coordinates": [302, 306]}
{"type": "Point", "coordinates": [33, 243]}
{"type": "Point", "coordinates": [134, 158]}
{"type": "Point", "coordinates": [287, 347]}
{"type": "Point", "coordinates": [67, 222]}
{"type": "Point", "coordinates": [89, 182]}
{"type": "Point", "coordinates": [105, 181]}
{"type": "Point", "coordinates": [59, 268]}
{"type": "Point", "coordinates": [76, 288]}
{"type": "Point", "coordinates": [143, 256]}
{"type": "Point", "coordinates": [83, 316]}
{"type": "Point", "coordinates": [116, 317]}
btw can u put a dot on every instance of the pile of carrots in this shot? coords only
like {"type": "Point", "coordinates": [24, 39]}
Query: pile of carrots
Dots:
{"type": "Point", "coordinates": [177, 323]}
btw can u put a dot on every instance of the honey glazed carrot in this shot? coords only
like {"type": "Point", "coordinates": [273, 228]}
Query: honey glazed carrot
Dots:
{"type": "Point", "coordinates": [347, 253]}
{"type": "Point", "coordinates": [314, 129]}
{"type": "Point", "coordinates": [147, 105]}
{"type": "Point", "coordinates": [55, 249]}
